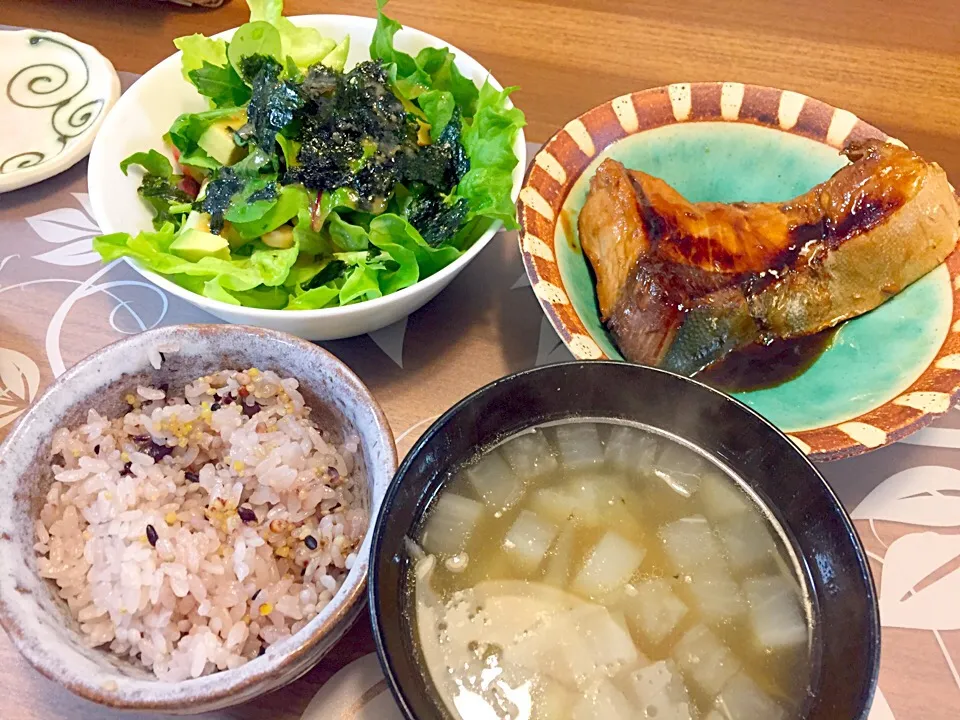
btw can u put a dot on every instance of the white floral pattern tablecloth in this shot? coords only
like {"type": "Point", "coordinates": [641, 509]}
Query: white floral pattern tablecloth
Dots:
{"type": "Point", "coordinates": [58, 303]}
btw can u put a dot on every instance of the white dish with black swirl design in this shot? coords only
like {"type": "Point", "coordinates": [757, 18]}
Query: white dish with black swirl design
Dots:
{"type": "Point", "coordinates": [54, 94]}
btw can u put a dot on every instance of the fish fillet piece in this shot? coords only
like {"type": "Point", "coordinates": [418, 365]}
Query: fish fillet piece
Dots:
{"type": "Point", "coordinates": [681, 284]}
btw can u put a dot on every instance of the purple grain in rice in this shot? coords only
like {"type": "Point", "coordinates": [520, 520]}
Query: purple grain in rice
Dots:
{"type": "Point", "coordinates": [176, 597]}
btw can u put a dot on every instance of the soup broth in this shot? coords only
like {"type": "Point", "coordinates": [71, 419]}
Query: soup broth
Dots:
{"type": "Point", "coordinates": [596, 570]}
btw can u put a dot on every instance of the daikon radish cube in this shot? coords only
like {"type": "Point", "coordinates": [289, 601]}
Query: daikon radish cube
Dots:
{"type": "Point", "coordinates": [551, 700]}
{"type": "Point", "coordinates": [610, 564]}
{"type": "Point", "coordinates": [494, 482]}
{"type": "Point", "coordinates": [742, 699]}
{"type": "Point", "coordinates": [528, 540]}
{"type": "Point", "coordinates": [618, 506]}
{"type": "Point", "coordinates": [680, 468]}
{"type": "Point", "coordinates": [658, 691]}
{"type": "Point", "coordinates": [576, 647]}
{"type": "Point", "coordinates": [591, 498]}
{"type": "Point", "coordinates": [653, 610]}
{"type": "Point", "coordinates": [609, 647]}
{"type": "Point", "coordinates": [690, 543]}
{"type": "Point", "coordinates": [558, 506]}
{"type": "Point", "coordinates": [631, 450]}
{"type": "Point", "coordinates": [557, 572]}
{"type": "Point", "coordinates": [775, 615]}
{"type": "Point", "coordinates": [576, 502]}
{"type": "Point", "coordinates": [452, 521]}
{"type": "Point", "coordinates": [529, 455]}
{"type": "Point", "coordinates": [748, 541]}
{"type": "Point", "coordinates": [608, 503]}
{"type": "Point", "coordinates": [579, 446]}
{"type": "Point", "coordinates": [705, 660]}
{"type": "Point", "coordinates": [602, 701]}
{"type": "Point", "coordinates": [716, 594]}
{"type": "Point", "coordinates": [722, 497]}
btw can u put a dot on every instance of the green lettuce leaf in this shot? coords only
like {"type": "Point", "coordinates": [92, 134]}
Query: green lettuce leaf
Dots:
{"type": "Point", "coordinates": [159, 188]}
{"type": "Point", "coordinates": [253, 39]}
{"type": "Point", "coordinates": [488, 140]}
{"type": "Point", "coordinates": [291, 200]}
{"type": "Point", "coordinates": [312, 242]}
{"type": "Point", "coordinates": [222, 85]}
{"type": "Point", "coordinates": [266, 298]}
{"type": "Point", "coordinates": [252, 179]}
{"type": "Point", "coordinates": [330, 270]}
{"type": "Point", "coordinates": [215, 291]}
{"type": "Point", "coordinates": [151, 249]}
{"type": "Point", "coordinates": [346, 237]}
{"type": "Point", "coordinates": [306, 46]}
{"type": "Point", "coordinates": [274, 265]}
{"type": "Point", "coordinates": [330, 201]}
{"type": "Point", "coordinates": [315, 298]}
{"type": "Point", "coordinates": [169, 203]}
{"type": "Point", "coordinates": [254, 200]}
{"type": "Point", "coordinates": [336, 59]}
{"type": "Point", "coordinates": [269, 11]}
{"type": "Point", "coordinates": [439, 65]}
{"type": "Point", "coordinates": [186, 130]}
{"type": "Point", "coordinates": [198, 50]}
{"type": "Point", "coordinates": [362, 282]}
{"type": "Point", "coordinates": [401, 269]}
{"type": "Point", "coordinates": [381, 45]}
{"type": "Point", "coordinates": [389, 232]}
{"type": "Point", "coordinates": [433, 69]}
{"type": "Point", "coordinates": [289, 148]}
{"type": "Point", "coordinates": [311, 271]}
{"type": "Point", "coordinates": [151, 161]}
{"type": "Point", "coordinates": [438, 106]}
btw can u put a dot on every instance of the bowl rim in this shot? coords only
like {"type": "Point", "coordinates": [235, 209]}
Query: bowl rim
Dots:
{"type": "Point", "coordinates": [438, 427]}
{"type": "Point", "coordinates": [562, 160]}
{"type": "Point", "coordinates": [100, 203]}
{"type": "Point", "coordinates": [155, 694]}
{"type": "Point", "coordinates": [79, 146]}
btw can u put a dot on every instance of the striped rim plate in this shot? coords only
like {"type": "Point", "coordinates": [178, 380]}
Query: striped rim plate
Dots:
{"type": "Point", "coordinates": [562, 160]}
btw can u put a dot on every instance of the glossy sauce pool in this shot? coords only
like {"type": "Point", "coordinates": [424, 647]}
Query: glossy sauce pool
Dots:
{"type": "Point", "coordinates": [759, 367]}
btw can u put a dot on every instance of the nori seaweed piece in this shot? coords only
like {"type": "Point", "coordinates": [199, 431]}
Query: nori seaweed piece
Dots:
{"type": "Point", "coordinates": [436, 220]}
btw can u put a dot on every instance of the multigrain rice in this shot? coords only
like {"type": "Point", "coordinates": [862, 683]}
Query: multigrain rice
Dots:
{"type": "Point", "coordinates": [203, 525]}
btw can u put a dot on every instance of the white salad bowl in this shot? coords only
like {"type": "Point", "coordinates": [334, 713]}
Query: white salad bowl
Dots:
{"type": "Point", "coordinates": [145, 112]}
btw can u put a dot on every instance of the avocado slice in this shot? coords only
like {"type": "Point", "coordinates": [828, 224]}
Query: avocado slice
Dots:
{"type": "Point", "coordinates": [217, 140]}
{"type": "Point", "coordinates": [197, 220]}
{"type": "Point", "coordinates": [196, 242]}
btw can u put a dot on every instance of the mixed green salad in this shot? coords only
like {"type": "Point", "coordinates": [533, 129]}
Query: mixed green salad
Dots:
{"type": "Point", "coordinates": [306, 185]}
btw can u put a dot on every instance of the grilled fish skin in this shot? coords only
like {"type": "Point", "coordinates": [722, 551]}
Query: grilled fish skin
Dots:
{"type": "Point", "coordinates": [681, 284]}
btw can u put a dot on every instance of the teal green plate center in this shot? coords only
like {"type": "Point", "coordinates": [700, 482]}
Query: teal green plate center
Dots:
{"type": "Point", "coordinates": [872, 359]}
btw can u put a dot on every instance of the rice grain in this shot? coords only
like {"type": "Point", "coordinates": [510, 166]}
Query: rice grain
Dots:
{"type": "Point", "coordinates": [175, 533]}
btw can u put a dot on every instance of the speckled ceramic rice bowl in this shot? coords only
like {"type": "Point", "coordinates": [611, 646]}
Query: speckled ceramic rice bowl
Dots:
{"type": "Point", "coordinates": [184, 514]}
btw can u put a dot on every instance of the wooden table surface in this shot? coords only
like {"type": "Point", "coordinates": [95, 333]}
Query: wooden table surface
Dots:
{"type": "Point", "coordinates": [895, 64]}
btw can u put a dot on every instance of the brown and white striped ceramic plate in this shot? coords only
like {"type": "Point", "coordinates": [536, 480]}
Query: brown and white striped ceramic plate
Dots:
{"type": "Point", "coordinates": [886, 374]}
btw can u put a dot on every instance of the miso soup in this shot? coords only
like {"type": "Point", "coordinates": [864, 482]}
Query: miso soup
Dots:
{"type": "Point", "coordinates": [596, 570]}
